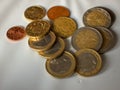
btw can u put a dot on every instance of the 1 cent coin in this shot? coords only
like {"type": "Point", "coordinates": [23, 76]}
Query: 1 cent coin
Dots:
{"type": "Point", "coordinates": [58, 11]}
{"type": "Point", "coordinates": [62, 66]}
{"type": "Point", "coordinates": [35, 12]}
{"type": "Point", "coordinates": [42, 44]}
{"type": "Point", "coordinates": [108, 39]}
{"type": "Point", "coordinates": [64, 26]}
{"type": "Point", "coordinates": [87, 37]}
{"type": "Point", "coordinates": [38, 28]}
{"type": "Point", "coordinates": [89, 62]}
{"type": "Point", "coordinates": [55, 51]}
{"type": "Point", "coordinates": [97, 17]}
{"type": "Point", "coordinates": [16, 33]}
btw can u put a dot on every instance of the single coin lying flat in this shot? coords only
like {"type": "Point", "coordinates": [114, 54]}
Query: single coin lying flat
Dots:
{"type": "Point", "coordinates": [87, 37]}
{"type": "Point", "coordinates": [58, 11]}
{"type": "Point", "coordinates": [61, 67]}
{"type": "Point", "coordinates": [42, 44]}
{"type": "Point", "coordinates": [35, 12]}
{"type": "Point", "coordinates": [64, 26]}
{"type": "Point", "coordinates": [97, 17]}
{"type": "Point", "coordinates": [55, 51]}
{"type": "Point", "coordinates": [89, 62]}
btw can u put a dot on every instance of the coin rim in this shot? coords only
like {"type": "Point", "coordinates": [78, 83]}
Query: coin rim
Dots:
{"type": "Point", "coordinates": [98, 58]}
{"type": "Point", "coordinates": [70, 71]}
{"type": "Point", "coordinates": [98, 8]}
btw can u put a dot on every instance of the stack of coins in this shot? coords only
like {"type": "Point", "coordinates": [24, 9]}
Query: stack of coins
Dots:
{"type": "Point", "coordinates": [47, 38]}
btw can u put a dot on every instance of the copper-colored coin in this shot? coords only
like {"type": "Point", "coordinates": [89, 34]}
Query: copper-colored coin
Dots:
{"type": "Point", "coordinates": [87, 37]}
{"type": "Point", "coordinates": [97, 17]}
{"type": "Point", "coordinates": [58, 11]}
{"type": "Point", "coordinates": [35, 12]}
{"type": "Point", "coordinates": [16, 33]}
{"type": "Point", "coordinates": [64, 26]}
{"type": "Point", "coordinates": [108, 39]}
{"type": "Point", "coordinates": [89, 62]}
{"type": "Point", "coordinates": [38, 28]}
{"type": "Point", "coordinates": [62, 66]}
{"type": "Point", "coordinates": [55, 51]}
{"type": "Point", "coordinates": [42, 44]}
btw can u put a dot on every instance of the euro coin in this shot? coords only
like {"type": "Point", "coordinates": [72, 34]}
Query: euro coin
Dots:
{"type": "Point", "coordinates": [38, 28]}
{"type": "Point", "coordinates": [89, 62]}
{"type": "Point", "coordinates": [35, 12]}
{"type": "Point", "coordinates": [55, 51]}
{"type": "Point", "coordinates": [58, 11]}
{"type": "Point", "coordinates": [64, 26]}
{"type": "Point", "coordinates": [16, 33]}
{"type": "Point", "coordinates": [108, 39]}
{"type": "Point", "coordinates": [87, 37]}
{"type": "Point", "coordinates": [97, 17]}
{"type": "Point", "coordinates": [61, 67]}
{"type": "Point", "coordinates": [42, 44]}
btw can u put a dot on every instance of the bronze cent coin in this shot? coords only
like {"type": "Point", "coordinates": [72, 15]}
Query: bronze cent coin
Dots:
{"type": "Point", "coordinates": [89, 62]}
{"type": "Point", "coordinates": [97, 17]}
{"type": "Point", "coordinates": [87, 37]}
{"type": "Point", "coordinates": [42, 44]}
{"type": "Point", "coordinates": [64, 26]}
{"type": "Point", "coordinates": [35, 12]}
{"type": "Point", "coordinates": [58, 11]}
{"type": "Point", "coordinates": [55, 51]}
{"type": "Point", "coordinates": [108, 39]}
{"type": "Point", "coordinates": [61, 67]}
{"type": "Point", "coordinates": [16, 33]}
{"type": "Point", "coordinates": [38, 28]}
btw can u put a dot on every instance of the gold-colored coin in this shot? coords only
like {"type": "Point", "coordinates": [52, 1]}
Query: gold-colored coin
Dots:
{"type": "Point", "coordinates": [62, 66]}
{"type": "Point", "coordinates": [42, 44]}
{"type": "Point", "coordinates": [89, 62]}
{"type": "Point", "coordinates": [38, 28]}
{"type": "Point", "coordinates": [35, 12]}
{"type": "Point", "coordinates": [97, 17]}
{"type": "Point", "coordinates": [108, 39]}
{"type": "Point", "coordinates": [87, 37]}
{"type": "Point", "coordinates": [55, 51]}
{"type": "Point", "coordinates": [64, 26]}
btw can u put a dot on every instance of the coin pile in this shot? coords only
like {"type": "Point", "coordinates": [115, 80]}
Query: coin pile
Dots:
{"type": "Point", "coordinates": [47, 38]}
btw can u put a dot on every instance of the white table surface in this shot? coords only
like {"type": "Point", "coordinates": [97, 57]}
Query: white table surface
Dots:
{"type": "Point", "coordinates": [21, 68]}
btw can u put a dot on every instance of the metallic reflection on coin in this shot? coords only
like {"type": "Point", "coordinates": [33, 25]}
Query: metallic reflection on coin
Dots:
{"type": "Point", "coordinates": [42, 44]}
{"type": "Point", "coordinates": [61, 67]}
{"type": "Point", "coordinates": [35, 12]}
{"type": "Point", "coordinates": [58, 11]}
{"type": "Point", "coordinates": [64, 26]}
{"type": "Point", "coordinates": [89, 62]}
{"type": "Point", "coordinates": [16, 33]}
{"type": "Point", "coordinates": [55, 51]}
{"type": "Point", "coordinates": [87, 37]}
{"type": "Point", "coordinates": [97, 17]}
{"type": "Point", "coordinates": [38, 28]}
{"type": "Point", "coordinates": [108, 39]}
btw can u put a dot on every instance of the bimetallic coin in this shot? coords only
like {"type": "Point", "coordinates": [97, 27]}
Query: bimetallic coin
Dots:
{"type": "Point", "coordinates": [108, 39]}
{"type": "Point", "coordinates": [42, 44]}
{"type": "Point", "coordinates": [64, 26]}
{"type": "Point", "coordinates": [35, 12]}
{"type": "Point", "coordinates": [97, 17]}
{"type": "Point", "coordinates": [38, 28]}
{"type": "Point", "coordinates": [58, 11]}
{"type": "Point", "coordinates": [87, 37]}
{"type": "Point", "coordinates": [89, 62]}
{"type": "Point", "coordinates": [62, 66]}
{"type": "Point", "coordinates": [16, 33]}
{"type": "Point", "coordinates": [55, 51]}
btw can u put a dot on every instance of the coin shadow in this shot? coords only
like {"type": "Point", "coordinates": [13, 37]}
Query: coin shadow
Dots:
{"type": "Point", "coordinates": [105, 63]}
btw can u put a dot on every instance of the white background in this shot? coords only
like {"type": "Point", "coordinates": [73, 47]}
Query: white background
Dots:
{"type": "Point", "coordinates": [21, 68]}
